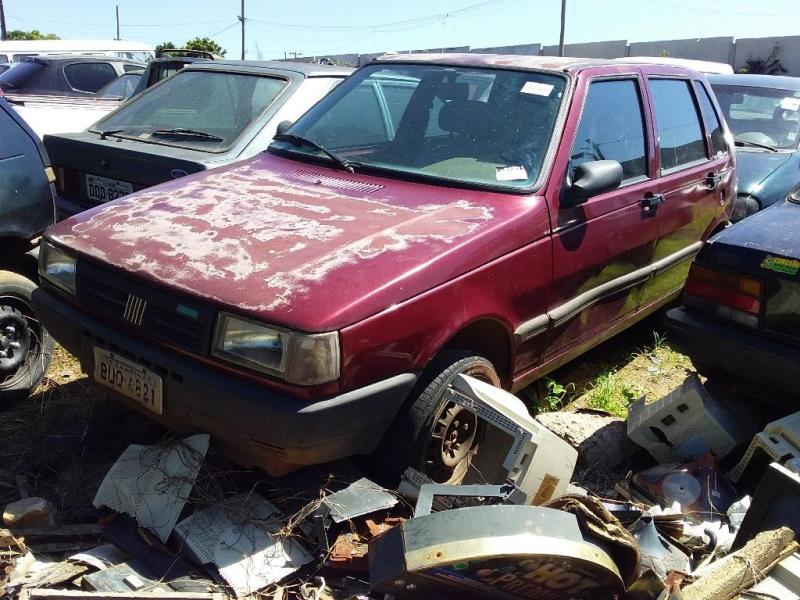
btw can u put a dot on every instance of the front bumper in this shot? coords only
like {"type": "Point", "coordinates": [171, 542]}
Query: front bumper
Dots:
{"type": "Point", "coordinates": [734, 351]}
{"type": "Point", "coordinates": [253, 425]}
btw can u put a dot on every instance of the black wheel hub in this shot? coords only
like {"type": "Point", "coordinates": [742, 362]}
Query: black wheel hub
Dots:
{"type": "Point", "coordinates": [15, 340]}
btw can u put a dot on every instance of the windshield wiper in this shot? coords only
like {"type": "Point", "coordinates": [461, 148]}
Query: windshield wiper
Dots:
{"type": "Point", "coordinates": [750, 144]}
{"type": "Point", "coordinates": [299, 140]}
{"type": "Point", "coordinates": [180, 132]}
{"type": "Point", "coordinates": [107, 132]}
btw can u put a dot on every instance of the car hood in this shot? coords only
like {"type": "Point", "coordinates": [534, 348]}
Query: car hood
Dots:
{"type": "Point", "coordinates": [300, 245]}
{"type": "Point", "coordinates": [754, 166]}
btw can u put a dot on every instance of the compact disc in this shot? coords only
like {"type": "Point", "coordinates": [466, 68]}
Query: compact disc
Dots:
{"type": "Point", "coordinates": [682, 488]}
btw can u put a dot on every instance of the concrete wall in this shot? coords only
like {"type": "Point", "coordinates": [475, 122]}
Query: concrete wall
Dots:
{"type": "Point", "coordinates": [789, 51]}
{"type": "Point", "coordinates": [526, 49]}
{"type": "Point", "coordinates": [610, 49]}
{"type": "Point", "coordinates": [716, 49]}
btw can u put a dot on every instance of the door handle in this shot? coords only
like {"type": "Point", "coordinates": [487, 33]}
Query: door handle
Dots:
{"type": "Point", "coordinates": [713, 180]}
{"type": "Point", "coordinates": [651, 201]}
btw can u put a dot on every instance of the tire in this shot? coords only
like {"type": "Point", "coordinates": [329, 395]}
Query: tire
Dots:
{"type": "Point", "coordinates": [413, 440]}
{"type": "Point", "coordinates": [25, 346]}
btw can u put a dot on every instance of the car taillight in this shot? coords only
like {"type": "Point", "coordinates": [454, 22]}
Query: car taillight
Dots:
{"type": "Point", "coordinates": [68, 182]}
{"type": "Point", "coordinates": [732, 297]}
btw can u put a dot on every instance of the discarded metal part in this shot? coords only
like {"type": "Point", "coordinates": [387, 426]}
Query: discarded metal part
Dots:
{"type": "Point", "coordinates": [410, 482]}
{"type": "Point", "coordinates": [101, 557]}
{"type": "Point", "coordinates": [349, 551]}
{"type": "Point", "coordinates": [700, 490]}
{"type": "Point", "coordinates": [241, 537]}
{"type": "Point", "coordinates": [649, 586]}
{"type": "Point", "coordinates": [54, 574]}
{"type": "Point", "coordinates": [782, 582]}
{"type": "Point", "coordinates": [728, 576]}
{"type": "Point", "coordinates": [359, 498]}
{"type": "Point", "coordinates": [779, 442]}
{"type": "Point", "coordinates": [603, 528]}
{"type": "Point", "coordinates": [499, 493]}
{"type": "Point", "coordinates": [123, 577]}
{"type": "Point", "coordinates": [43, 594]}
{"type": "Point", "coordinates": [491, 552]}
{"type": "Point", "coordinates": [686, 424]}
{"type": "Point", "coordinates": [656, 552]}
{"type": "Point", "coordinates": [775, 504]}
{"type": "Point", "coordinates": [152, 483]}
{"type": "Point", "coordinates": [515, 448]}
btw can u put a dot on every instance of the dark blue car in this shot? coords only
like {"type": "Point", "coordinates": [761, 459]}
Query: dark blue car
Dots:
{"type": "Point", "coordinates": [763, 112]}
{"type": "Point", "coordinates": [741, 315]}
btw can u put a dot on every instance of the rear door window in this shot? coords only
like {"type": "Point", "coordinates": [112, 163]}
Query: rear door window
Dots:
{"type": "Point", "coordinates": [713, 126]}
{"type": "Point", "coordinates": [21, 75]}
{"type": "Point", "coordinates": [612, 128]}
{"type": "Point", "coordinates": [678, 125]}
{"type": "Point", "coordinates": [89, 77]}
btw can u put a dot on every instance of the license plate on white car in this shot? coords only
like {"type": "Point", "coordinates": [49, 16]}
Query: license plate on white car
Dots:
{"type": "Point", "coordinates": [129, 379]}
{"type": "Point", "coordinates": [104, 189]}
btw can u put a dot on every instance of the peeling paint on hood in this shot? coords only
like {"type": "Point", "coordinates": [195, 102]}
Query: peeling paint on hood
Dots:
{"type": "Point", "coordinates": [262, 242]}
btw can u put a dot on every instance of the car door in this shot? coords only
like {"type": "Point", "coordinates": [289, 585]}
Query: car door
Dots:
{"type": "Point", "coordinates": [602, 248]}
{"type": "Point", "coordinates": [696, 178]}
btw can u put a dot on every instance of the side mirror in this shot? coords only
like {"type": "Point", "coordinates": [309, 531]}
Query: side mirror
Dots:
{"type": "Point", "coordinates": [593, 178]}
{"type": "Point", "coordinates": [283, 126]}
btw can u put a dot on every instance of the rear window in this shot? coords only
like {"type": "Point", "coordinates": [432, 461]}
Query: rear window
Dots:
{"type": "Point", "coordinates": [89, 77]}
{"type": "Point", "coordinates": [213, 108]}
{"type": "Point", "coordinates": [680, 134]}
{"type": "Point", "coordinates": [21, 75]}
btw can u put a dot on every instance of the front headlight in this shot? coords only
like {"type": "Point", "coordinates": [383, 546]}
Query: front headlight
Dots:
{"type": "Point", "coordinates": [304, 359]}
{"type": "Point", "coordinates": [57, 266]}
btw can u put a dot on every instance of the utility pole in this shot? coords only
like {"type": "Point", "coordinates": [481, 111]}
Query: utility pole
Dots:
{"type": "Point", "coordinates": [241, 18]}
{"type": "Point", "coordinates": [117, 38]}
{"type": "Point", "coordinates": [3, 32]}
{"type": "Point", "coordinates": [563, 22]}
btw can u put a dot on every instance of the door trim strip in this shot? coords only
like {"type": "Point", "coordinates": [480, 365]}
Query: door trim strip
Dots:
{"type": "Point", "coordinates": [558, 315]}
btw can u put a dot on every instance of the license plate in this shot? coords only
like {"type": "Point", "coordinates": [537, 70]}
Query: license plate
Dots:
{"type": "Point", "coordinates": [104, 189]}
{"type": "Point", "coordinates": [129, 379]}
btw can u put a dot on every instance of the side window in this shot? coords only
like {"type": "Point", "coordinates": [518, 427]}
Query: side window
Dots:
{"type": "Point", "coordinates": [713, 126]}
{"type": "Point", "coordinates": [397, 97]}
{"type": "Point", "coordinates": [89, 77]}
{"type": "Point", "coordinates": [679, 132]}
{"type": "Point", "coordinates": [612, 128]}
{"type": "Point", "coordinates": [129, 68]}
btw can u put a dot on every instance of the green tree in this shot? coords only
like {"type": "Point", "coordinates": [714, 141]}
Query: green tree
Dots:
{"type": "Point", "coordinates": [165, 46]}
{"type": "Point", "coordinates": [206, 44]}
{"type": "Point", "coordinates": [35, 34]}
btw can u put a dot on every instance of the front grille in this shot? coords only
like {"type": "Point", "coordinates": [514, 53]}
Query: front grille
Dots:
{"type": "Point", "coordinates": [178, 320]}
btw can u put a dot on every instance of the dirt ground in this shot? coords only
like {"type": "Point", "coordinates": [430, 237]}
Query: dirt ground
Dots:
{"type": "Point", "coordinates": [60, 442]}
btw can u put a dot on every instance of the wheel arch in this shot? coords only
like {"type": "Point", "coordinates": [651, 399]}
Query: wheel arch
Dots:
{"type": "Point", "coordinates": [488, 337]}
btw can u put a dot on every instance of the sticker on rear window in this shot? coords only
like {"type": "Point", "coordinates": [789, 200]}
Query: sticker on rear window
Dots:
{"type": "Point", "coordinates": [788, 266]}
{"type": "Point", "coordinates": [536, 88]}
{"type": "Point", "coordinates": [512, 173]}
{"type": "Point", "coordinates": [790, 104]}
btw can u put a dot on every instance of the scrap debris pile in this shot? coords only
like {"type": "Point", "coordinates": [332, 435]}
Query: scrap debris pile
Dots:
{"type": "Point", "coordinates": [714, 518]}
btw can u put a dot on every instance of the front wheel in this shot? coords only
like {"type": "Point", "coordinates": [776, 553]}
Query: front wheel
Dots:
{"type": "Point", "coordinates": [25, 346]}
{"type": "Point", "coordinates": [433, 435]}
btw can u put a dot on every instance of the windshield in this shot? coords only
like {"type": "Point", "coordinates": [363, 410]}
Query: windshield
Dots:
{"type": "Point", "coordinates": [484, 126]}
{"type": "Point", "coordinates": [766, 116]}
{"type": "Point", "coordinates": [217, 103]}
{"type": "Point", "coordinates": [21, 75]}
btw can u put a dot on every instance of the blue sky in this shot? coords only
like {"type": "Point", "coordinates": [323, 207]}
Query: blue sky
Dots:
{"type": "Point", "coordinates": [318, 27]}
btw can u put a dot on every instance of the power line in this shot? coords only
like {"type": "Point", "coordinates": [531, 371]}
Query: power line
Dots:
{"type": "Point", "coordinates": [717, 10]}
{"type": "Point", "coordinates": [31, 20]}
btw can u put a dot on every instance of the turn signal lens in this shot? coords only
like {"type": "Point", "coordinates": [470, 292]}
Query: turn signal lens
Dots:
{"type": "Point", "coordinates": [728, 296]}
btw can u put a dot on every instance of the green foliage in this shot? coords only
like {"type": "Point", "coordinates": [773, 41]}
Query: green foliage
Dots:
{"type": "Point", "coordinates": [764, 66]}
{"type": "Point", "coordinates": [34, 34]}
{"type": "Point", "coordinates": [165, 46]}
{"type": "Point", "coordinates": [206, 44]}
{"type": "Point", "coordinates": [556, 393]}
{"type": "Point", "coordinates": [664, 53]}
{"type": "Point", "coordinates": [610, 393]}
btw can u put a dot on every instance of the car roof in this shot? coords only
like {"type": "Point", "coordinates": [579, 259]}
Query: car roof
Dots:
{"type": "Point", "coordinates": [267, 66]}
{"type": "Point", "coordinates": [766, 81]}
{"type": "Point", "coordinates": [564, 64]}
{"type": "Point", "coordinates": [78, 58]}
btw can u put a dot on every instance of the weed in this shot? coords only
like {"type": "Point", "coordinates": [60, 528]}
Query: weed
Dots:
{"type": "Point", "coordinates": [612, 394]}
{"type": "Point", "coordinates": [554, 399]}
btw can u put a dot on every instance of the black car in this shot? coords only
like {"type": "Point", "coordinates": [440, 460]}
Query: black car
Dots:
{"type": "Point", "coordinates": [741, 315]}
{"type": "Point", "coordinates": [26, 210]}
{"type": "Point", "coordinates": [64, 75]}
